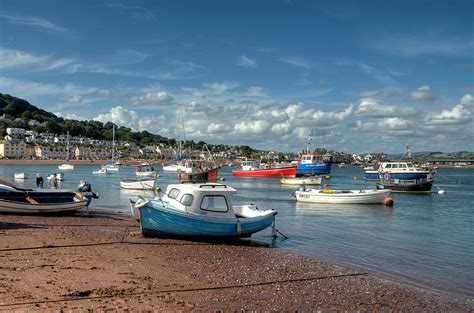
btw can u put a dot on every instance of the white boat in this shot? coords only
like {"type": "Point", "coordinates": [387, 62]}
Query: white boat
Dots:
{"type": "Point", "coordinates": [137, 183]}
{"type": "Point", "coordinates": [146, 170]}
{"type": "Point", "coordinates": [100, 172]}
{"type": "Point", "coordinates": [342, 164]}
{"type": "Point", "coordinates": [112, 166]}
{"type": "Point", "coordinates": [185, 167]}
{"type": "Point", "coordinates": [460, 165]}
{"type": "Point", "coordinates": [309, 180]}
{"type": "Point", "coordinates": [21, 176]}
{"type": "Point", "coordinates": [59, 176]}
{"type": "Point", "coordinates": [200, 210]}
{"type": "Point", "coordinates": [66, 167]}
{"type": "Point", "coordinates": [369, 168]}
{"type": "Point", "coordinates": [342, 196]}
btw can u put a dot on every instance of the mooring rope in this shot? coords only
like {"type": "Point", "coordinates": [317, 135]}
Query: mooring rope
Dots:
{"type": "Point", "coordinates": [289, 280]}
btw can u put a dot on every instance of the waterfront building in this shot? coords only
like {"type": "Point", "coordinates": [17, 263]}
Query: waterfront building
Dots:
{"type": "Point", "coordinates": [12, 148]}
{"type": "Point", "coordinates": [51, 152]}
{"type": "Point", "coordinates": [92, 153]}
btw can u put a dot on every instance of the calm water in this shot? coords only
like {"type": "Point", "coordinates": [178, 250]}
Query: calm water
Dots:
{"type": "Point", "coordinates": [423, 239]}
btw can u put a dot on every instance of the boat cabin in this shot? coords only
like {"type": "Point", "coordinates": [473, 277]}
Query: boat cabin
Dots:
{"type": "Point", "coordinates": [398, 167]}
{"type": "Point", "coordinates": [249, 165]}
{"type": "Point", "coordinates": [311, 158]}
{"type": "Point", "coordinates": [209, 199]}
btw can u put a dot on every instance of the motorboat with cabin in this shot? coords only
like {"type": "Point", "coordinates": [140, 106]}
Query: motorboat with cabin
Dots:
{"type": "Point", "coordinates": [398, 170]}
{"type": "Point", "coordinates": [146, 170]}
{"type": "Point", "coordinates": [253, 168]}
{"type": "Point", "coordinates": [200, 210]}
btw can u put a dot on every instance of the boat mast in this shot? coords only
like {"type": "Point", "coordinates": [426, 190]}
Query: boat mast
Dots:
{"type": "Point", "coordinates": [308, 144]}
{"type": "Point", "coordinates": [113, 142]}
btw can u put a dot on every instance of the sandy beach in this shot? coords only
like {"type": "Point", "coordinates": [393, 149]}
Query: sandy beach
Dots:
{"type": "Point", "coordinates": [101, 261]}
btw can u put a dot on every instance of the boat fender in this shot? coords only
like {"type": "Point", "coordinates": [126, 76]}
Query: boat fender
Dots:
{"type": "Point", "coordinates": [327, 177]}
{"type": "Point", "coordinates": [239, 228]}
{"type": "Point", "coordinates": [388, 201]}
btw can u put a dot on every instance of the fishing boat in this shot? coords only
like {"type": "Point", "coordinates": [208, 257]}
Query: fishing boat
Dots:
{"type": "Point", "coordinates": [101, 171]}
{"type": "Point", "coordinates": [146, 170]}
{"type": "Point", "coordinates": [313, 164]}
{"type": "Point", "coordinates": [253, 168]}
{"type": "Point", "coordinates": [398, 170]}
{"type": "Point", "coordinates": [15, 199]}
{"type": "Point", "coordinates": [20, 175]}
{"type": "Point", "coordinates": [200, 210]}
{"type": "Point", "coordinates": [66, 166]}
{"type": "Point", "coordinates": [306, 180]}
{"type": "Point", "coordinates": [138, 183]}
{"type": "Point", "coordinates": [200, 174]}
{"type": "Point", "coordinates": [422, 185]}
{"type": "Point", "coordinates": [341, 196]}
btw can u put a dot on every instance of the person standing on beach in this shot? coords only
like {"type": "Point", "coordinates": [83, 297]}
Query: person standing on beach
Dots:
{"type": "Point", "coordinates": [39, 181]}
{"type": "Point", "coordinates": [55, 181]}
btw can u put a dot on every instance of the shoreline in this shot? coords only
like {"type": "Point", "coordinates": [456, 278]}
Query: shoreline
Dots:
{"type": "Point", "coordinates": [101, 261]}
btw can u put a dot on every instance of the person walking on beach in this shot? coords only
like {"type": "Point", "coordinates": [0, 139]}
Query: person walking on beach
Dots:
{"type": "Point", "coordinates": [39, 181]}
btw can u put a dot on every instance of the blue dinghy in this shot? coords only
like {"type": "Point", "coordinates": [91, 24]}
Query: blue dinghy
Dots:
{"type": "Point", "coordinates": [200, 210]}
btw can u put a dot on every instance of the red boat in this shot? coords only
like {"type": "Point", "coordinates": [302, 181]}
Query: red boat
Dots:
{"type": "Point", "coordinates": [202, 175]}
{"type": "Point", "coordinates": [249, 169]}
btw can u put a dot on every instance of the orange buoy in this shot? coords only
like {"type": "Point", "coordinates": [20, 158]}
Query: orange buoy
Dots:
{"type": "Point", "coordinates": [388, 201]}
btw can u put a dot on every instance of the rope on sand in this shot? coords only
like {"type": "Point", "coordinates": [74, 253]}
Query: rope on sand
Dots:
{"type": "Point", "coordinates": [290, 280]}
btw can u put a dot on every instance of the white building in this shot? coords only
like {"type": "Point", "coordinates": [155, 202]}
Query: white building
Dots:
{"type": "Point", "coordinates": [12, 148]}
{"type": "Point", "coordinates": [16, 132]}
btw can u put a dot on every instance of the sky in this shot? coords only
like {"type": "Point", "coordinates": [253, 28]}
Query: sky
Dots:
{"type": "Point", "coordinates": [355, 76]}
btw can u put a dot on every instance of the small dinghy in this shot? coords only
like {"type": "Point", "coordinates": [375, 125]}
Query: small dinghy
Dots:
{"type": "Point", "coordinates": [21, 176]}
{"type": "Point", "coordinates": [342, 196]}
{"type": "Point", "coordinates": [142, 183]}
{"type": "Point", "coordinates": [308, 180]}
{"type": "Point", "coordinates": [200, 210]}
{"type": "Point", "coordinates": [102, 171]}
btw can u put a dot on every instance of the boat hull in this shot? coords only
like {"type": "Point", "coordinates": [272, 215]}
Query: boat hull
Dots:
{"type": "Point", "coordinates": [406, 186]}
{"type": "Point", "coordinates": [205, 176]}
{"type": "Point", "coordinates": [138, 185]}
{"type": "Point", "coordinates": [313, 169]}
{"type": "Point", "coordinates": [271, 172]}
{"type": "Point", "coordinates": [311, 180]}
{"type": "Point", "coordinates": [34, 202]}
{"type": "Point", "coordinates": [146, 174]}
{"type": "Point", "coordinates": [375, 175]}
{"type": "Point", "coordinates": [162, 222]}
{"type": "Point", "coordinates": [343, 197]}
{"type": "Point", "coordinates": [66, 167]}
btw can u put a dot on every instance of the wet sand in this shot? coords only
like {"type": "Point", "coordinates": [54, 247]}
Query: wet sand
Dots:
{"type": "Point", "coordinates": [100, 261]}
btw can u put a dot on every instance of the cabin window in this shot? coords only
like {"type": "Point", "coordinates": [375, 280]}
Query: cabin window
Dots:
{"type": "Point", "coordinates": [214, 204]}
{"type": "Point", "coordinates": [395, 165]}
{"type": "Point", "coordinates": [410, 165]}
{"type": "Point", "coordinates": [173, 194]}
{"type": "Point", "coordinates": [187, 199]}
{"type": "Point", "coordinates": [388, 166]}
{"type": "Point", "coordinates": [403, 165]}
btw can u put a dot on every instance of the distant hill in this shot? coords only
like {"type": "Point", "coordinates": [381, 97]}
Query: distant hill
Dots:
{"type": "Point", "coordinates": [16, 112]}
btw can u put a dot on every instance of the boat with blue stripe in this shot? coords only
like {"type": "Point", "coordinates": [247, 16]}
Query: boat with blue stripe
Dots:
{"type": "Point", "coordinates": [200, 210]}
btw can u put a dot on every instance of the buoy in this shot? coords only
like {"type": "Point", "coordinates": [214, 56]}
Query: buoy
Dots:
{"type": "Point", "coordinates": [354, 178]}
{"type": "Point", "coordinates": [327, 177]}
{"type": "Point", "coordinates": [388, 201]}
{"type": "Point", "coordinates": [222, 178]}
{"type": "Point", "coordinates": [441, 192]}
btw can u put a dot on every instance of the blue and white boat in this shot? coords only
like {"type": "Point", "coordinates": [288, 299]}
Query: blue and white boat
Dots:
{"type": "Point", "coordinates": [398, 170]}
{"type": "Point", "coordinates": [312, 164]}
{"type": "Point", "coordinates": [200, 210]}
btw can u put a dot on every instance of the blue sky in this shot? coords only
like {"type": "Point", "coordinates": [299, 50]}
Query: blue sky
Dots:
{"type": "Point", "coordinates": [356, 75]}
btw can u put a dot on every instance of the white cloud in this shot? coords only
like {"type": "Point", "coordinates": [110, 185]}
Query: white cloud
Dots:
{"type": "Point", "coordinates": [129, 118]}
{"type": "Point", "coordinates": [457, 115]}
{"type": "Point", "coordinates": [152, 98]}
{"type": "Point", "coordinates": [33, 21]}
{"type": "Point", "coordinates": [297, 62]}
{"type": "Point", "coordinates": [252, 127]}
{"type": "Point", "coordinates": [467, 99]}
{"type": "Point", "coordinates": [246, 61]}
{"type": "Point", "coordinates": [373, 108]}
{"type": "Point", "coordinates": [16, 58]}
{"type": "Point", "coordinates": [423, 93]}
{"type": "Point", "coordinates": [104, 92]}
{"type": "Point", "coordinates": [74, 99]}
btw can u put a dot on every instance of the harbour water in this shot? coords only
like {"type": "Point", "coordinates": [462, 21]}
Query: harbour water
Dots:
{"type": "Point", "coordinates": [425, 240]}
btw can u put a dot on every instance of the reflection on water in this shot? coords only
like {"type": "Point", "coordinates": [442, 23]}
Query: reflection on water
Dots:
{"type": "Point", "coordinates": [425, 238]}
